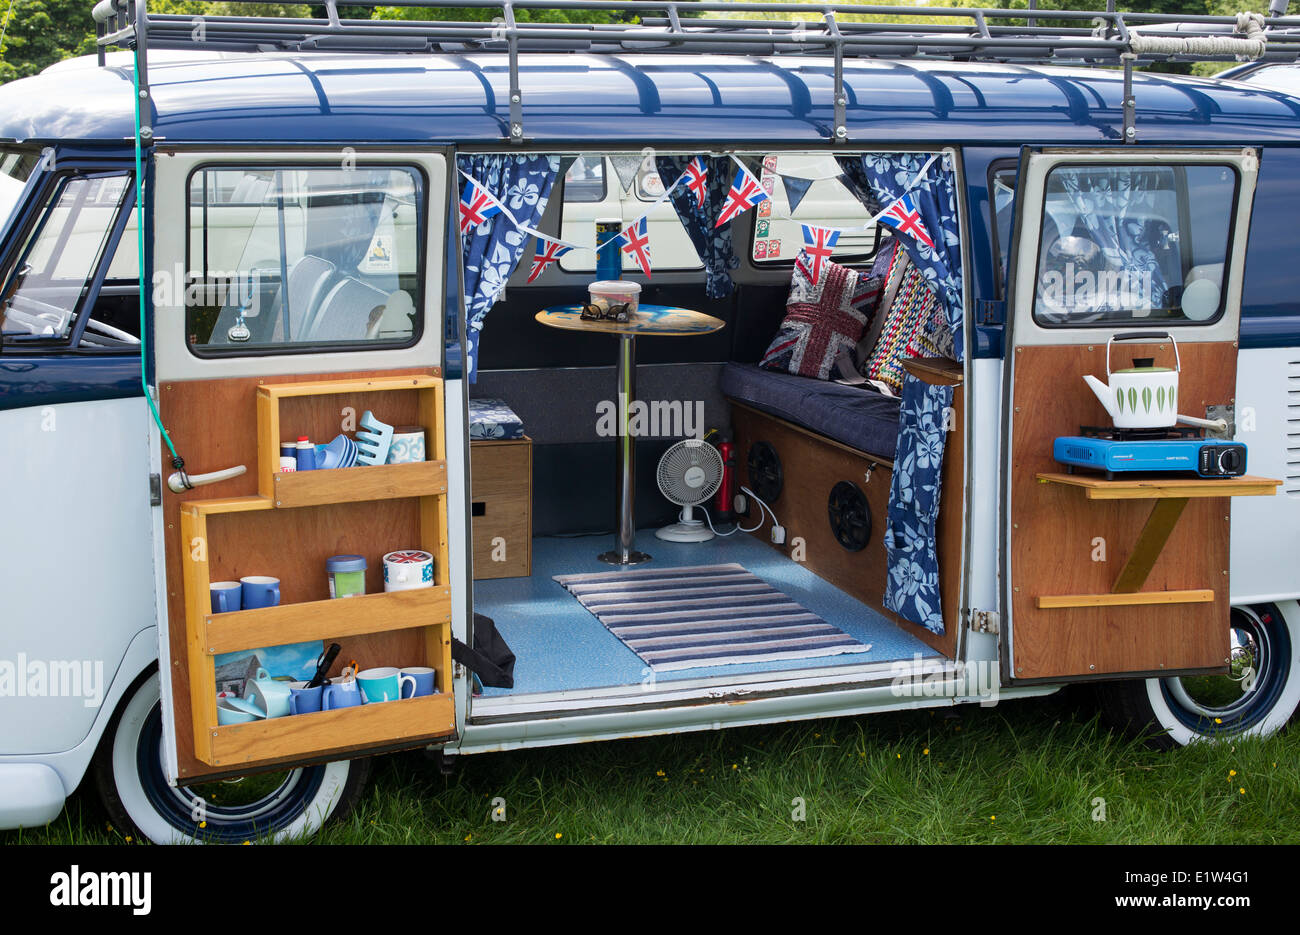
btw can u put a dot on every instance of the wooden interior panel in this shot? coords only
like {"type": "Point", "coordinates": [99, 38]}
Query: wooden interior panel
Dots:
{"type": "Point", "coordinates": [213, 424]}
{"type": "Point", "coordinates": [1054, 528]}
{"type": "Point", "coordinates": [812, 465]}
{"type": "Point", "coordinates": [501, 477]}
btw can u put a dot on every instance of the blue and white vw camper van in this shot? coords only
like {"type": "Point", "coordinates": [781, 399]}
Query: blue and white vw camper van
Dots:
{"type": "Point", "coordinates": [371, 385]}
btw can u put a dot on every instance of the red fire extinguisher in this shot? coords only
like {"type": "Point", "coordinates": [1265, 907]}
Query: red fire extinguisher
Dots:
{"type": "Point", "coordinates": [726, 497]}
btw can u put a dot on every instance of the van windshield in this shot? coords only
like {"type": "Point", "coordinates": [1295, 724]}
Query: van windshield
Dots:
{"type": "Point", "coordinates": [15, 169]}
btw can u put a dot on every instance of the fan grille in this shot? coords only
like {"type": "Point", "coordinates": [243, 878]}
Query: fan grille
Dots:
{"type": "Point", "coordinates": [690, 472]}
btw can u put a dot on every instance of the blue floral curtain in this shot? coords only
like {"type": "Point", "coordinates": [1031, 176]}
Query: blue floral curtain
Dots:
{"type": "Point", "coordinates": [912, 583]}
{"type": "Point", "coordinates": [491, 251]}
{"type": "Point", "coordinates": [879, 179]}
{"type": "Point", "coordinates": [712, 244]}
{"type": "Point", "coordinates": [935, 194]}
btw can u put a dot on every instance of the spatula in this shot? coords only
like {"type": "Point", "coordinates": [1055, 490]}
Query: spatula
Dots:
{"type": "Point", "coordinates": [373, 440]}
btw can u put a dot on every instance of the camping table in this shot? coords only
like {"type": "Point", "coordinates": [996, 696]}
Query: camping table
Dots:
{"type": "Point", "coordinates": [664, 320]}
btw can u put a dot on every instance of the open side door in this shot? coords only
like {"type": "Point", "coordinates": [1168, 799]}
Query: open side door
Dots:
{"type": "Point", "coordinates": [1106, 578]}
{"type": "Point", "coordinates": [293, 294]}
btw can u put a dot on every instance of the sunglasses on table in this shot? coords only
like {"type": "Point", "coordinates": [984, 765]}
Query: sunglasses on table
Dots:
{"type": "Point", "coordinates": [619, 313]}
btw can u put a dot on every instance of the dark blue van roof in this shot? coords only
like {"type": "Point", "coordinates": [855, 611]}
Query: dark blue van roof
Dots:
{"type": "Point", "coordinates": [639, 98]}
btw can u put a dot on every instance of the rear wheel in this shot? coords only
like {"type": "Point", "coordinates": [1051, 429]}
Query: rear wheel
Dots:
{"type": "Point", "coordinates": [1258, 695]}
{"type": "Point", "coordinates": [269, 806]}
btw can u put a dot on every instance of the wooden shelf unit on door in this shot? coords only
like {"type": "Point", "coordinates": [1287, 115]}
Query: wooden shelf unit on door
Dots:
{"type": "Point", "coordinates": [1170, 495]}
{"type": "Point", "coordinates": [347, 730]}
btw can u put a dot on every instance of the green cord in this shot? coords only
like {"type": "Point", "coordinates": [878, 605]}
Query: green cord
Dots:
{"type": "Point", "coordinates": [139, 231]}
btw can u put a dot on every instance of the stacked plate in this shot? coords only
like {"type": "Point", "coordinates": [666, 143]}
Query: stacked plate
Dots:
{"type": "Point", "coordinates": [340, 453]}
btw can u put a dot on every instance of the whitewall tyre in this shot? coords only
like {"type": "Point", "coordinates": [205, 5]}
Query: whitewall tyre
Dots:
{"type": "Point", "coordinates": [273, 807]}
{"type": "Point", "coordinates": [1258, 696]}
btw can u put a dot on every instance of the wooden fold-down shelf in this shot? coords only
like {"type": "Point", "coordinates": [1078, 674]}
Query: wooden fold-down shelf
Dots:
{"type": "Point", "coordinates": [364, 482]}
{"type": "Point", "coordinates": [352, 616]}
{"type": "Point", "coordinates": [1096, 487]}
{"type": "Point", "coordinates": [939, 371]}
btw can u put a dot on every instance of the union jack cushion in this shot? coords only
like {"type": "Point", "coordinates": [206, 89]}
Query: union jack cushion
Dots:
{"type": "Point", "coordinates": [823, 318]}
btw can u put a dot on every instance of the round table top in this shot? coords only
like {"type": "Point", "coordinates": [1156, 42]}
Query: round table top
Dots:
{"type": "Point", "coordinates": [668, 320]}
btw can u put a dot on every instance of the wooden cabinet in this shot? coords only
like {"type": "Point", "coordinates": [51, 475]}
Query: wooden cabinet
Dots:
{"type": "Point", "coordinates": [287, 530]}
{"type": "Point", "coordinates": [501, 507]}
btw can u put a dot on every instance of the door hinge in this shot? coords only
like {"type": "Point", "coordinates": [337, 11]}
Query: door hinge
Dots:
{"type": "Point", "coordinates": [984, 621]}
{"type": "Point", "coordinates": [990, 312]}
{"type": "Point", "coordinates": [155, 490]}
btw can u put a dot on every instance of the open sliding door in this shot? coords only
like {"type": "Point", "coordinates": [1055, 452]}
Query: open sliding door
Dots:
{"type": "Point", "coordinates": [1109, 577]}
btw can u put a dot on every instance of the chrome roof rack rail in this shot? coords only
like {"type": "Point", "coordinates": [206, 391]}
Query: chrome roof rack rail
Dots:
{"type": "Point", "coordinates": [1033, 36]}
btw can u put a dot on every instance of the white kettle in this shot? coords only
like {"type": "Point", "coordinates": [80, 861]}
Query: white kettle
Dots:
{"type": "Point", "coordinates": [1142, 396]}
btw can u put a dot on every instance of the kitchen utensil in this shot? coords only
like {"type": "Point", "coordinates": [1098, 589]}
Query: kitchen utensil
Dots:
{"type": "Point", "coordinates": [385, 683]}
{"type": "Point", "coordinates": [334, 454]}
{"type": "Point", "coordinates": [425, 679]}
{"type": "Point", "coordinates": [226, 596]}
{"type": "Point", "coordinates": [407, 446]}
{"type": "Point", "coordinates": [270, 695]}
{"type": "Point", "coordinates": [1142, 396]}
{"type": "Point", "coordinates": [323, 663]}
{"type": "Point", "coordinates": [259, 591]}
{"type": "Point", "coordinates": [373, 439]}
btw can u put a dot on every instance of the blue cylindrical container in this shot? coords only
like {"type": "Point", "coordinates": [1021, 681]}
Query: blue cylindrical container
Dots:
{"type": "Point", "coordinates": [609, 265]}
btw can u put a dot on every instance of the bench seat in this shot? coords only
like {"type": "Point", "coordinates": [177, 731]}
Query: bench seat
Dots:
{"type": "Point", "coordinates": [860, 418]}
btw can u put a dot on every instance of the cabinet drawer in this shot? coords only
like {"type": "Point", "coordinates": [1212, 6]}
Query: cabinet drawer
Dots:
{"type": "Point", "coordinates": [501, 507]}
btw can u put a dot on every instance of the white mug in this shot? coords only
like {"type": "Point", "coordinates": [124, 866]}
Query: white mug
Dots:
{"type": "Point", "coordinates": [408, 569]}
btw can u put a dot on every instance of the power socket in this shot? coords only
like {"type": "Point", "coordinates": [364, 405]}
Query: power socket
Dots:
{"type": "Point", "coordinates": [778, 535]}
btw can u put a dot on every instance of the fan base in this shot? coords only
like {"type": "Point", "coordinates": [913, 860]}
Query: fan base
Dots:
{"type": "Point", "coordinates": [685, 532]}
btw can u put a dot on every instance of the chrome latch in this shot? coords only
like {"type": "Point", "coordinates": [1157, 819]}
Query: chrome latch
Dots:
{"type": "Point", "coordinates": [984, 621]}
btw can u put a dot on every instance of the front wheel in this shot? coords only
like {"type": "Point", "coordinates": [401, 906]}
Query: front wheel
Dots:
{"type": "Point", "coordinates": [270, 806]}
{"type": "Point", "coordinates": [1257, 696]}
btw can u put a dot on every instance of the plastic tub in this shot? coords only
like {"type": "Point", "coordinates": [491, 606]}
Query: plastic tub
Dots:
{"type": "Point", "coordinates": [347, 575]}
{"type": "Point", "coordinates": [609, 292]}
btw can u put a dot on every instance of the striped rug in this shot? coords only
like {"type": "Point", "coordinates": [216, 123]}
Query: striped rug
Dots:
{"type": "Point", "coordinates": [706, 615]}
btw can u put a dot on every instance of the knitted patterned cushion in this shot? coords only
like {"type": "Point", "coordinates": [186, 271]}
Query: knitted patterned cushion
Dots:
{"type": "Point", "coordinates": [913, 327]}
{"type": "Point", "coordinates": [822, 318]}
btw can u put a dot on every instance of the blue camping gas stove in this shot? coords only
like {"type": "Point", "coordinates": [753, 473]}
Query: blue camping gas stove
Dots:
{"type": "Point", "coordinates": [1179, 450]}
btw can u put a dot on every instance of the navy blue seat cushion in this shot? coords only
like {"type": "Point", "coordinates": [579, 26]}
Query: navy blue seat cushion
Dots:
{"type": "Point", "coordinates": [859, 417]}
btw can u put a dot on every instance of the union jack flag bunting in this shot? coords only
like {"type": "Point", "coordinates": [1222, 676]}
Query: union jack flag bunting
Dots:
{"type": "Point", "coordinates": [905, 217]}
{"type": "Point", "coordinates": [635, 242]}
{"type": "Point", "coordinates": [745, 192]}
{"type": "Point", "coordinates": [476, 206]}
{"type": "Point", "coordinates": [697, 176]}
{"type": "Point", "coordinates": [818, 243]}
{"type": "Point", "coordinates": [548, 251]}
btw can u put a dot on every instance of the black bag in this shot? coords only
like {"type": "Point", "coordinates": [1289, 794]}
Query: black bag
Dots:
{"type": "Point", "coordinates": [490, 659]}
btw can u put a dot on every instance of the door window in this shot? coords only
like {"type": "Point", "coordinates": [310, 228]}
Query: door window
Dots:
{"type": "Point", "coordinates": [1125, 244]}
{"type": "Point", "coordinates": [303, 258]}
{"type": "Point", "coordinates": [56, 269]}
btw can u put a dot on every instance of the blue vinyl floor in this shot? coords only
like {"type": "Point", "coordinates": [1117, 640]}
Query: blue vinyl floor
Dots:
{"type": "Point", "coordinates": [559, 646]}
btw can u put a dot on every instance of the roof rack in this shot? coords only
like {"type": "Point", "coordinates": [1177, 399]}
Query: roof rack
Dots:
{"type": "Point", "coordinates": [1033, 36]}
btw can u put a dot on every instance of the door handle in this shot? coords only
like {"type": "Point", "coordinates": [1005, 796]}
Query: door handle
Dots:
{"type": "Point", "coordinates": [179, 481]}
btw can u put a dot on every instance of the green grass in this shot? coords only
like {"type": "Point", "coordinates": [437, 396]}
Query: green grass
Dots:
{"type": "Point", "coordinates": [1021, 772]}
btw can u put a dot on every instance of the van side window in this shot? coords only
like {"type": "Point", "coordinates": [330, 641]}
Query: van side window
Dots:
{"type": "Point", "coordinates": [1002, 195]}
{"type": "Point", "coordinates": [594, 189]}
{"type": "Point", "coordinates": [302, 258]}
{"type": "Point", "coordinates": [1123, 244]}
{"type": "Point", "coordinates": [45, 290]}
{"type": "Point", "coordinates": [814, 182]}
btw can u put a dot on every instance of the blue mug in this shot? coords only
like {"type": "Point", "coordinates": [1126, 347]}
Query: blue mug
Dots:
{"type": "Point", "coordinates": [226, 596]}
{"type": "Point", "coordinates": [340, 695]}
{"type": "Point", "coordinates": [305, 700]}
{"type": "Point", "coordinates": [425, 680]}
{"type": "Point", "coordinates": [260, 591]}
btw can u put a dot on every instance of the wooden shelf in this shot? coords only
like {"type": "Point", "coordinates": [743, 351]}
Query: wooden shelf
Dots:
{"type": "Point", "coordinates": [350, 616]}
{"type": "Point", "coordinates": [938, 371]}
{"type": "Point", "coordinates": [1096, 487]}
{"type": "Point", "coordinates": [366, 482]}
{"type": "Point", "coordinates": [1203, 596]}
{"type": "Point", "coordinates": [409, 721]}
{"type": "Point", "coordinates": [313, 737]}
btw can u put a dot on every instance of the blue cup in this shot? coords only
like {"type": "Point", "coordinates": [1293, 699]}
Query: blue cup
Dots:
{"type": "Point", "coordinates": [305, 700]}
{"type": "Point", "coordinates": [226, 596]}
{"type": "Point", "coordinates": [340, 695]}
{"type": "Point", "coordinates": [260, 591]}
{"type": "Point", "coordinates": [425, 680]}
